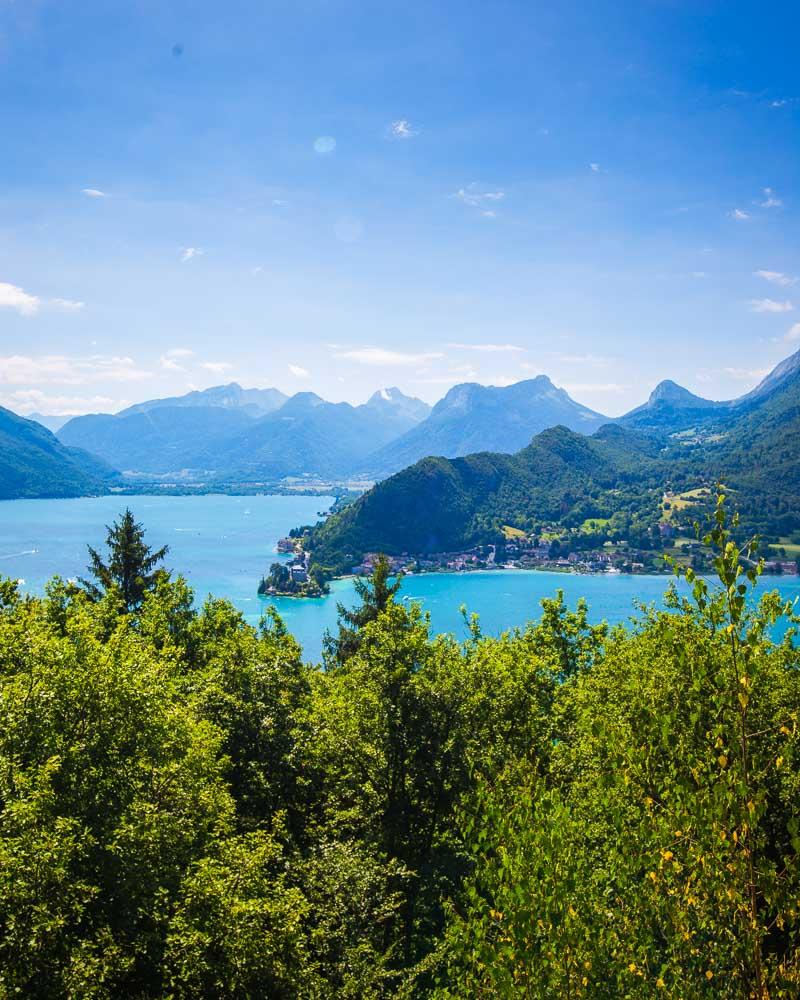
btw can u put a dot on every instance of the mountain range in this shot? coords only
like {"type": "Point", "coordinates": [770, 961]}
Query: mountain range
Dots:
{"type": "Point", "coordinates": [249, 435]}
{"type": "Point", "coordinates": [675, 441]}
{"type": "Point", "coordinates": [246, 435]}
{"type": "Point", "coordinates": [227, 434]}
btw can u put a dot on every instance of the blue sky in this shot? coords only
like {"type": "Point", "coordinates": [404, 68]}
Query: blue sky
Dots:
{"type": "Point", "coordinates": [338, 196]}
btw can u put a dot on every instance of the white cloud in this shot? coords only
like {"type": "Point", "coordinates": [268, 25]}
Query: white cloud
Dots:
{"type": "Point", "coordinates": [279, 202]}
{"type": "Point", "coordinates": [180, 352]}
{"type": "Point", "coordinates": [299, 372]}
{"type": "Point", "coordinates": [581, 359]}
{"type": "Point", "coordinates": [187, 253]}
{"type": "Point", "coordinates": [574, 387]}
{"type": "Point", "coordinates": [738, 214]}
{"type": "Point", "coordinates": [770, 306]}
{"type": "Point", "coordinates": [595, 168]}
{"type": "Point", "coordinates": [402, 129]}
{"type": "Point", "coordinates": [746, 374]}
{"type": "Point", "coordinates": [60, 369]}
{"type": "Point", "coordinates": [170, 365]}
{"type": "Point", "coordinates": [793, 333]}
{"type": "Point", "coordinates": [13, 297]}
{"type": "Point", "coordinates": [473, 196]}
{"type": "Point", "coordinates": [770, 201]}
{"type": "Point", "coordinates": [380, 356]}
{"type": "Point", "coordinates": [699, 274]}
{"type": "Point", "coordinates": [488, 348]}
{"type": "Point", "coordinates": [67, 305]}
{"type": "Point", "coordinates": [217, 367]}
{"type": "Point", "coordinates": [27, 401]}
{"type": "Point", "coordinates": [93, 193]}
{"type": "Point", "coordinates": [324, 144]}
{"type": "Point", "coordinates": [776, 278]}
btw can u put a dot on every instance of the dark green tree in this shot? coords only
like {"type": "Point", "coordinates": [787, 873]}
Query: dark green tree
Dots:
{"type": "Point", "coordinates": [376, 593]}
{"type": "Point", "coordinates": [132, 566]}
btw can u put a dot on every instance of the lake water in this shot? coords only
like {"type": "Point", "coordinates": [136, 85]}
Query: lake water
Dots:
{"type": "Point", "coordinates": [223, 545]}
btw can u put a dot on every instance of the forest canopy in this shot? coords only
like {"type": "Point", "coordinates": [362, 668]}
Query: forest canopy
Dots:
{"type": "Point", "coordinates": [189, 809]}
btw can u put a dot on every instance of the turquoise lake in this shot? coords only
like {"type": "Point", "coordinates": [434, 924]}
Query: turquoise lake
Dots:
{"type": "Point", "coordinates": [223, 545]}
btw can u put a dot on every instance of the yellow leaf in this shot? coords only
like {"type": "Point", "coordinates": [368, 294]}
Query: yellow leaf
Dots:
{"type": "Point", "coordinates": [722, 760]}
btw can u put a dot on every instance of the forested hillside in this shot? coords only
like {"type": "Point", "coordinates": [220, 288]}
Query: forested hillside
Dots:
{"type": "Point", "coordinates": [187, 809]}
{"type": "Point", "coordinates": [34, 463]}
{"type": "Point", "coordinates": [564, 478]}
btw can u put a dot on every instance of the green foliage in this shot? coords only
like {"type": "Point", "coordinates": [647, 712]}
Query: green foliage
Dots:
{"type": "Point", "coordinates": [658, 852]}
{"type": "Point", "coordinates": [186, 809]}
{"type": "Point", "coordinates": [376, 594]}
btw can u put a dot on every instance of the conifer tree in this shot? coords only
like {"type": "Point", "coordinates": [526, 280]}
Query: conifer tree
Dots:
{"type": "Point", "coordinates": [376, 594]}
{"type": "Point", "coordinates": [131, 564]}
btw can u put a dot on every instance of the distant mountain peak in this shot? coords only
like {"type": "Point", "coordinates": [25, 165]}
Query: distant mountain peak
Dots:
{"type": "Point", "coordinates": [676, 395]}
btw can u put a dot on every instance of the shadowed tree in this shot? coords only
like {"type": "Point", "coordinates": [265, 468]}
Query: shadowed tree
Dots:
{"type": "Point", "coordinates": [131, 565]}
{"type": "Point", "coordinates": [376, 594]}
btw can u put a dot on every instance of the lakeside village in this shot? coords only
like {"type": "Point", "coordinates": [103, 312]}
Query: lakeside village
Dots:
{"type": "Point", "coordinates": [297, 576]}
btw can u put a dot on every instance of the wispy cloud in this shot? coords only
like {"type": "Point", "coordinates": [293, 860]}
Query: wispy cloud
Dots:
{"type": "Point", "coordinates": [324, 144]}
{"type": "Point", "coordinates": [379, 356]}
{"type": "Point", "coordinates": [482, 200]}
{"type": "Point", "coordinates": [402, 129]}
{"type": "Point", "coordinates": [746, 374]}
{"type": "Point", "coordinates": [739, 214]}
{"type": "Point", "coordinates": [299, 372]}
{"type": "Point", "coordinates": [170, 365]}
{"type": "Point", "coordinates": [61, 369]}
{"type": "Point", "coordinates": [582, 359]}
{"type": "Point", "coordinates": [488, 348]}
{"type": "Point", "coordinates": [595, 168]}
{"type": "Point", "coordinates": [770, 199]}
{"type": "Point", "coordinates": [94, 193]}
{"type": "Point", "coordinates": [67, 305]}
{"type": "Point", "coordinates": [770, 306]}
{"type": "Point", "coordinates": [776, 278]}
{"type": "Point", "coordinates": [26, 401]}
{"type": "Point", "coordinates": [575, 387]}
{"type": "Point", "coordinates": [216, 367]}
{"type": "Point", "coordinates": [793, 333]}
{"type": "Point", "coordinates": [13, 297]}
{"type": "Point", "coordinates": [188, 253]}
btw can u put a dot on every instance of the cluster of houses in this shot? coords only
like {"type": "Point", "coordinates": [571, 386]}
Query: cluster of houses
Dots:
{"type": "Point", "coordinates": [512, 556]}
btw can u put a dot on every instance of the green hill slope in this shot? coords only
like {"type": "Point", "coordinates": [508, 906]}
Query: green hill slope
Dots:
{"type": "Point", "coordinates": [443, 504]}
{"type": "Point", "coordinates": [34, 463]}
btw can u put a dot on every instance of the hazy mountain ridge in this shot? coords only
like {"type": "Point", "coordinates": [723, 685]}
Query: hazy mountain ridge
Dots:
{"type": "Point", "coordinates": [249, 434]}
{"type": "Point", "coordinates": [255, 402]}
{"type": "Point", "coordinates": [473, 417]}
